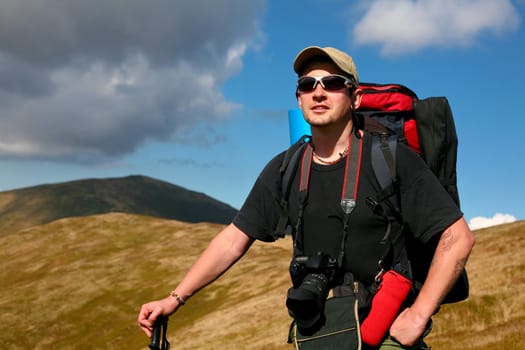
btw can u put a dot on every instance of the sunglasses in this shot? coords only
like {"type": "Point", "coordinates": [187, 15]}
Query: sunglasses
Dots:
{"type": "Point", "coordinates": [331, 82]}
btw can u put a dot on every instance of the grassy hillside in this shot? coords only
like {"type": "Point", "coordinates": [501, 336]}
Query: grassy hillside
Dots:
{"type": "Point", "coordinates": [132, 194]}
{"type": "Point", "coordinates": [78, 283]}
{"type": "Point", "coordinates": [494, 315]}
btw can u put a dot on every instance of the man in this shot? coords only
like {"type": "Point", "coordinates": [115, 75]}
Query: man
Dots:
{"type": "Point", "coordinates": [328, 93]}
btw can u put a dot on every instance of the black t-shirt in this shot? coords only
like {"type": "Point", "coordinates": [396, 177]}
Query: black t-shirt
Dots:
{"type": "Point", "coordinates": [427, 208]}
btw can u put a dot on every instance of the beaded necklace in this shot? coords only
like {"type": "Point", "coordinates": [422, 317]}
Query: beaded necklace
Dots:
{"type": "Point", "coordinates": [331, 162]}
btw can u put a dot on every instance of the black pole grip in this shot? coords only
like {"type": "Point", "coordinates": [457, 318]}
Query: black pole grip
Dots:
{"type": "Point", "coordinates": [158, 335]}
{"type": "Point", "coordinates": [155, 336]}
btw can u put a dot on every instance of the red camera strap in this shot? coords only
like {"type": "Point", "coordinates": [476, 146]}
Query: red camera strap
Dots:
{"type": "Point", "coordinates": [349, 190]}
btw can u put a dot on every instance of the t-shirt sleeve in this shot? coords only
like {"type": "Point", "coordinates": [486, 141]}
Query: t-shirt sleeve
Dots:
{"type": "Point", "coordinates": [427, 207]}
{"type": "Point", "coordinates": [259, 215]}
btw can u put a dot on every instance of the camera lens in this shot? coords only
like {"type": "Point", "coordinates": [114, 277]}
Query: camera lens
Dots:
{"type": "Point", "coordinates": [306, 302]}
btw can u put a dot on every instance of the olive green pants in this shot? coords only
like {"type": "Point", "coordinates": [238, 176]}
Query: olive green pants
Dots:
{"type": "Point", "coordinates": [390, 344]}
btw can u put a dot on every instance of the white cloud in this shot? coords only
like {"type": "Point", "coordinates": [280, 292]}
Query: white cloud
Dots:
{"type": "Point", "coordinates": [481, 222]}
{"type": "Point", "coordinates": [404, 26]}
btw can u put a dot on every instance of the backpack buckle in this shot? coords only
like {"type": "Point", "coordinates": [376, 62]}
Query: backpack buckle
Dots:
{"type": "Point", "coordinates": [374, 205]}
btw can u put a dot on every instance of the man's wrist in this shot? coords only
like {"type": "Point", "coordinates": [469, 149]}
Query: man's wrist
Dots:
{"type": "Point", "coordinates": [421, 312]}
{"type": "Point", "coordinates": [180, 300]}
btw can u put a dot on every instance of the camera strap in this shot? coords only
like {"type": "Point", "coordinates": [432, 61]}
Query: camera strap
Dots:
{"type": "Point", "coordinates": [348, 195]}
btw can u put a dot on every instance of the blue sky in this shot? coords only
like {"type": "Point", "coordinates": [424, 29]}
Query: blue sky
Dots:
{"type": "Point", "coordinates": [196, 93]}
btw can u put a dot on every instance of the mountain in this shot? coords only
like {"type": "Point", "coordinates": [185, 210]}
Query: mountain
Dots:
{"type": "Point", "coordinates": [78, 283]}
{"type": "Point", "coordinates": [133, 194]}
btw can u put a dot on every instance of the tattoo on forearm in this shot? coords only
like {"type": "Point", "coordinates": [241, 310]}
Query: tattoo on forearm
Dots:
{"type": "Point", "coordinates": [446, 241]}
{"type": "Point", "coordinates": [445, 244]}
{"type": "Point", "coordinates": [460, 264]}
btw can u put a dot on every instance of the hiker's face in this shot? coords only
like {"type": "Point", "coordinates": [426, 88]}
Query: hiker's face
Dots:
{"type": "Point", "coordinates": [322, 108]}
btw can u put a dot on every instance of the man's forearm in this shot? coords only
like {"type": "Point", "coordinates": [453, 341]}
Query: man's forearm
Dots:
{"type": "Point", "coordinates": [449, 259]}
{"type": "Point", "coordinates": [222, 252]}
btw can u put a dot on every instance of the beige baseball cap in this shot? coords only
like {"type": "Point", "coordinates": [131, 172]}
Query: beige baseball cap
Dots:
{"type": "Point", "coordinates": [340, 58]}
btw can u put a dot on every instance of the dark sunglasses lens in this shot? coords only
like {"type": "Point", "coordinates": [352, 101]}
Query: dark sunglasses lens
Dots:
{"type": "Point", "coordinates": [333, 83]}
{"type": "Point", "coordinates": [306, 84]}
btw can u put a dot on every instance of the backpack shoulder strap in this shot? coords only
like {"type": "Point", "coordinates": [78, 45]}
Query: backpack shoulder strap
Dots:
{"type": "Point", "coordinates": [387, 201]}
{"type": "Point", "coordinates": [384, 149]}
{"type": "Point", "coordinates": [383, 158]}
{"type": "Point", "coordinates": [287, 172]}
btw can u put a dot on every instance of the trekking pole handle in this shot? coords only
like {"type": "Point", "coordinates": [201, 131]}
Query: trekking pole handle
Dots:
{"type": "Point", "coordinates": [158, 335]}
{"type": "Point", "coordinates": [155, 336]}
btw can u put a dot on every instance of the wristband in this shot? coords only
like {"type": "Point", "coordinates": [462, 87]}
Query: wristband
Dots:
{"type": "Point", "coordinates": [178, 297]}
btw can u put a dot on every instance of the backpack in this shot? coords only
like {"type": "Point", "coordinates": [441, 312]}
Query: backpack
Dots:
{"type": "Point", "coordinates": [393, 113]}
{"type": "Point", "coordinates": [426, 125]}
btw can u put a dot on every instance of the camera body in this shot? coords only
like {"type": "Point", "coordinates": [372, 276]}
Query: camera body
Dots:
{"type": "Point", "coordinates": [312, 277]}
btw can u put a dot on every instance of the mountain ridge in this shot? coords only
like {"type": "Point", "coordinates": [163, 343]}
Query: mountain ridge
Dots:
{"type": "Point", "coordinates": [134, 194]}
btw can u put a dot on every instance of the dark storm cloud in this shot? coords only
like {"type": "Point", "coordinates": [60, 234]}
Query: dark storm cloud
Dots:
{"type": "Point", "coordinates": [95, 79]}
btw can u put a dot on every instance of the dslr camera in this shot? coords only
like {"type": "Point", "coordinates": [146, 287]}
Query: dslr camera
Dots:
{"type": "Point", "coordinates": [312, 277]}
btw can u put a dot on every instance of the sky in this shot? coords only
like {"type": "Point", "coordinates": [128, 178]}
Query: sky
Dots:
{"type": "Point", "coordinates": [196, 93]}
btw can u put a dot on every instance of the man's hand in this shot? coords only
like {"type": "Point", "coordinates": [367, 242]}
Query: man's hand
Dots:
{"type": "Point", "coordinates": [151, 311]}
{"type": "Point", "coordinates": [408, 327]}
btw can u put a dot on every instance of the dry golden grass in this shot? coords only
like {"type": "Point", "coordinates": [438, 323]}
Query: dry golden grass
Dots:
{"type": "Point", "coordinates": [78, 284]}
